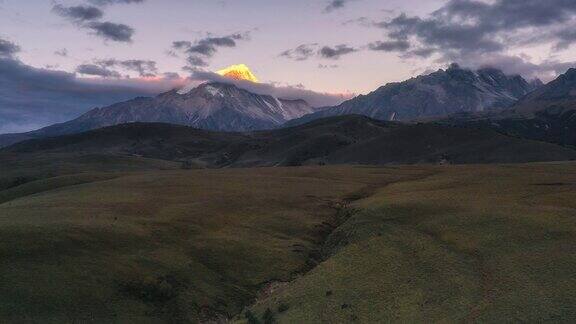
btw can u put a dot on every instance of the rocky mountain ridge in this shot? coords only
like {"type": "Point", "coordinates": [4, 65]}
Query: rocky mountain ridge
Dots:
{"type": "Point", "coordinates": [440, 93]}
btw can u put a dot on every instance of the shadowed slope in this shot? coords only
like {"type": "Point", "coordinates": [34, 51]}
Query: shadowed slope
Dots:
{"type": "Point", "coordinates": [337, 140]}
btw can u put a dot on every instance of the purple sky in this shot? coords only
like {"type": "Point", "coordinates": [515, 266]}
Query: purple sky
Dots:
{"type": "Point", "coordinates": [328, 46]}
{"type": "Point", "coordinates": [274, 26]}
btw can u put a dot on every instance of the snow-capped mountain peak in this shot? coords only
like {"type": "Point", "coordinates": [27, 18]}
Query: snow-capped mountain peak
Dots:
{"type": "Point", "coordinates": [211, 105]}
{"type": "Point", "coordinates": [238, 72]}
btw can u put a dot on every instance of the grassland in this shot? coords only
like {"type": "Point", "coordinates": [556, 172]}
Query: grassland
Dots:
{"type": "Point", "coordinates": [19, 169]}
{"type": "Point", "coordinates": [162, 246]}
{"type": "Point", "coordinates": [141, 241]}
{"type": "Point", "coordinates": [489, 244]}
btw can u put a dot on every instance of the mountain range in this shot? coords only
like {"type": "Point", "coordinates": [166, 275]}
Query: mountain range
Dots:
{"type": "Point", "coordinates": [546, 114]}
{"type": "Point", "coordinates": [441, 93]}
{"type": "Point", "coordinates": [213, 106]}
{"type": "Point", "coordinates": [486, 98]}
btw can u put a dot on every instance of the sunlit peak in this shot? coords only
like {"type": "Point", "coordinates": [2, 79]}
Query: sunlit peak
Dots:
{"type": "Point", "coordinates": [238, 72]}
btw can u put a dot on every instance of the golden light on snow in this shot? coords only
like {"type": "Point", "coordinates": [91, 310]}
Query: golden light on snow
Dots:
{"type": "Point", "coordinates": [238, 72]}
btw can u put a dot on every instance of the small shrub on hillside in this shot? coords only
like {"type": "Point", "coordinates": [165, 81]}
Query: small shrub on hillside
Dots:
{"type": "Point", "coordinates": [282, 308]}
{"type": "Point", "coordinates": [268, 317]}
{"type": "Point", "coordinates": [251, 317]}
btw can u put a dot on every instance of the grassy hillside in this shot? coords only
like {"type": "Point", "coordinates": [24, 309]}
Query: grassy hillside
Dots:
{"type": "Point", "coordinates": [170, 246]}
{"type": "Point", "coordinates": [331, 141]}
{"type": "Point", "coordinates": [414, 244]}
{"type": "Point", "coordinates": [27, 174]}
{"type": "Point", "coordinates": [467, 244]}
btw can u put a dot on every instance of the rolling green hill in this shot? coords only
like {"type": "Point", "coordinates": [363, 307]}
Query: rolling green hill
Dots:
{"type": "Point", "coordinates": [488, 244]}
{"type": "Point", "coordinates": [162, 246]}
{"type": "Point", "coordinates": [342, 244]}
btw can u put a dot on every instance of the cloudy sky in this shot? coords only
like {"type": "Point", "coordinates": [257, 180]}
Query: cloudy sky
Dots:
{"type": "Point", "coordinates": [59, 58]}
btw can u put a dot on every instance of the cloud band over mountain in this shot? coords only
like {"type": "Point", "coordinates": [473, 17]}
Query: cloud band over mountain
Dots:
{"type": "Point", "coordinates": [31, 98]}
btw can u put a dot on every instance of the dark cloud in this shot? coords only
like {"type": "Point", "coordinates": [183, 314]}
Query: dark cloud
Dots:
{"type": "Point", "coordinates": [509, 14]}
{"type": "Point", "coordinates": [171, 75]}
{"type": "Point", "coordinates": [513, 64]}
{"type": "Point", "coordinates": [112, 31]}
{"type": "Point", "coordinates": [567, 37]}
{"type": "Point", "coordinates": [88, 17]}
{"type": "Point", "coordinates": [62, 52]}
{"type": "Point", "coordinates": [284, 92]}
{"type": "Point", "coordinates": [361, 21]}
{"type": "Point", "coordinates": [336, 52]}
{"type": "Point", "coordinates": [336, 5]}
{"type": "Point", "coordinates": [472, 30]}
{"type": "Point", "coordinates": [8, 49]}
{"type": "Point", "coordinates": [181, 45]}
{"type": "Point", "coordinates": [145, 68]}
{"type": "Point", "coordinates": [31, 98]}
{"type": "Point", "coordinates": [107, 68]}
{"type": "Point", "coordinates": [208, 46]}
{"type": "Point", "coordinates": [112, 2]}
{"type": "Point", "coordinates": [307, 51]}
{"type": "Point", "coordinates": [469, 25]}
{"type": "Point", "coordinates": [301, 53]}
{"type": "Point", "coordinates": [194, 62]}
{"type": "Point", "coordinates": [422, 52]}
{"type": "Point", "coordinates": [390, 46]}
{"type": "Point", "coordinates": [96, 70]}
{"type": "Point", "coordinates": [78, 13]}
{"type": "Point", "coordinates": [199, 52]}
{"type": "Point", "coordinates": [205, 49]}
{"type": "Point", "coordinates": [443, 36]}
